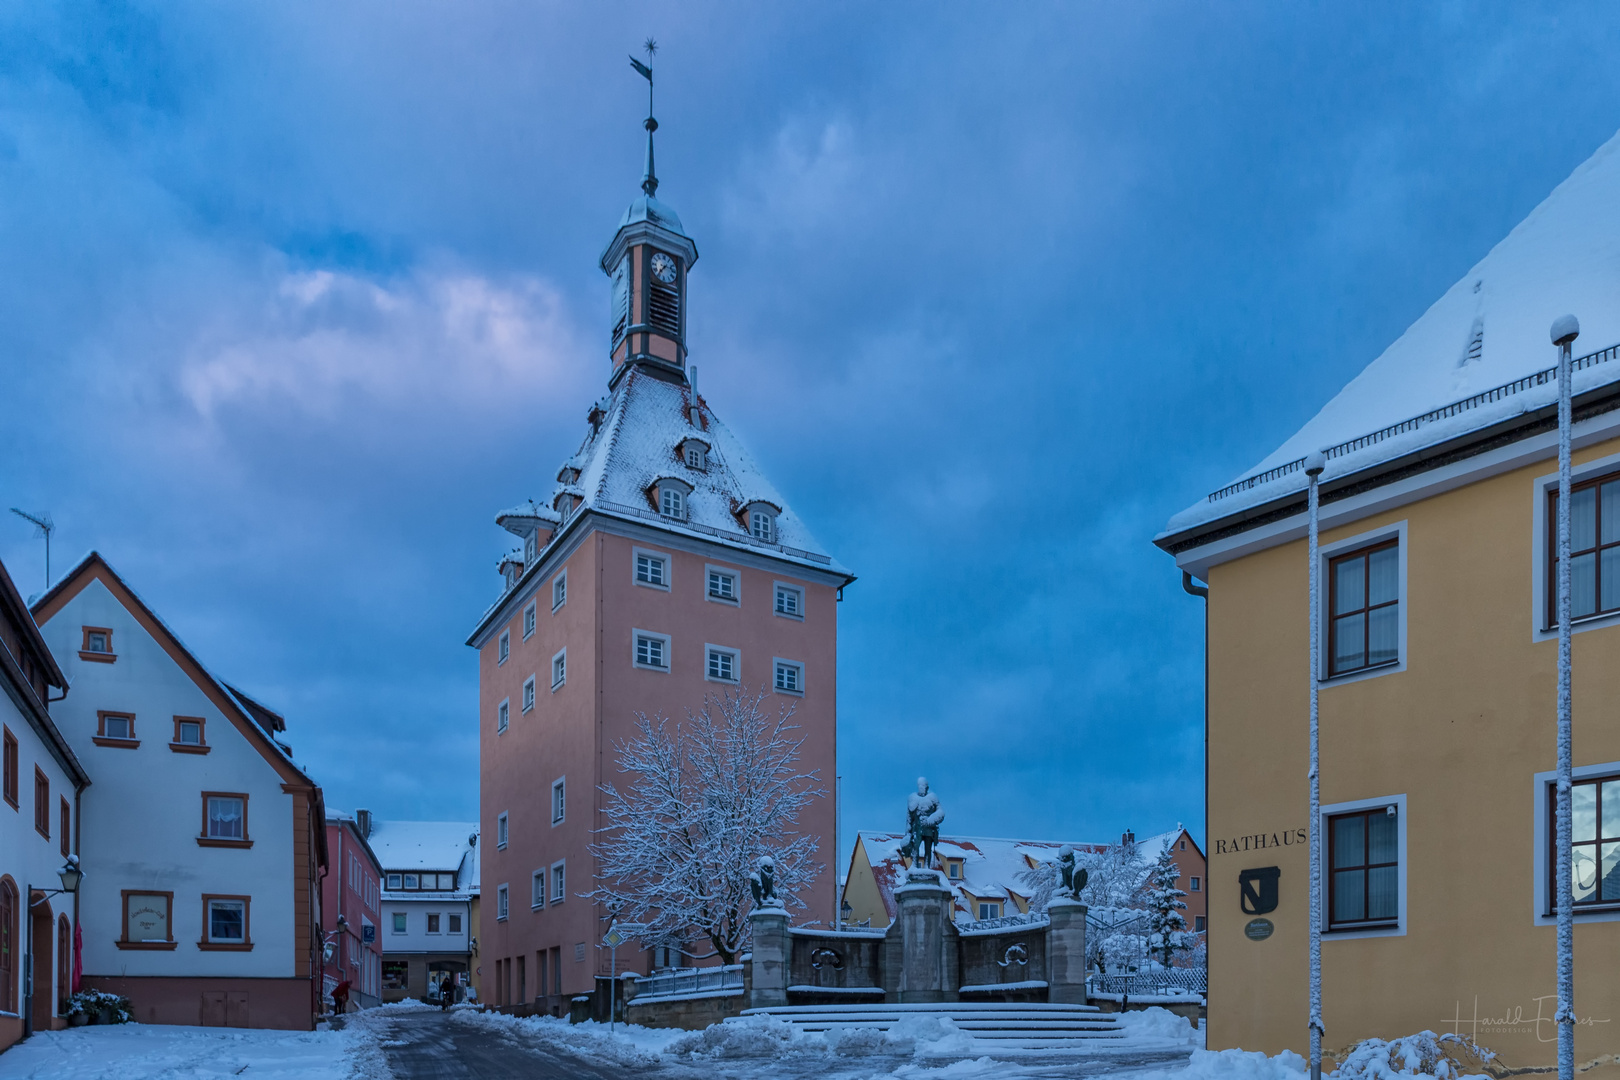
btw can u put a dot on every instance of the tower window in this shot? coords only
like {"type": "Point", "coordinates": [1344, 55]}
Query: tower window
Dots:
{"type": "Point", "coordinates": [621, 300]}
{"type": "Point", "coordinates": [664, 300]}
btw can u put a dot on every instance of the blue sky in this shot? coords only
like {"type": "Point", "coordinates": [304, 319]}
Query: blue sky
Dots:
{"type": "Point", "coordinates": [294, 297]}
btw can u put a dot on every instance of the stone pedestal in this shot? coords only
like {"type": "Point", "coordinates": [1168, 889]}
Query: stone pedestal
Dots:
{"type": "Point", "coordinates": [1066, 952]}
{"type": "Point", "coordinates": [924, 903]}
{"type": "Point", "coordinates": [768, 970]}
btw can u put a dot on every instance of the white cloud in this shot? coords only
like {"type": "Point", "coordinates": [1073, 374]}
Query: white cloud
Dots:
{"type": "Point", "coordinates": [315, 340]}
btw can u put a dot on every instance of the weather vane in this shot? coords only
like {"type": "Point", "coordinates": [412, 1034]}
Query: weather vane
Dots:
{"type": "Point", "coordinates": [649, 180]}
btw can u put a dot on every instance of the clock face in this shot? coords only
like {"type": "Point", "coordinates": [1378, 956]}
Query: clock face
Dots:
{"type": "Point", "coordinates": [663, 268]}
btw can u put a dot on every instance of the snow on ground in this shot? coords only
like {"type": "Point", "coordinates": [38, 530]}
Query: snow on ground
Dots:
{"type": "Point", "coordinates": [154, 1051]}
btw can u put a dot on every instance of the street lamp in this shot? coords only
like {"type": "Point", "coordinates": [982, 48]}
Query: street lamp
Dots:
{"type": "Point", "coordinates": [1315, 465]}
{"type": "Point", "coordinates": [71, 875]}
{"type": "Point", "coordinates": [1563, 334]}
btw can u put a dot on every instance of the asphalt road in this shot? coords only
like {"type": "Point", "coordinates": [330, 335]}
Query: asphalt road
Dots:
{"type": "Point", "coordinates": [431, 1046]}
{"type": "Point", "coordinates": [427, 1046]}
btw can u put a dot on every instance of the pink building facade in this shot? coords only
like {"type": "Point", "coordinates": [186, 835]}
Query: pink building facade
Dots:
{"type": "Point", "coordinates": [664, 567]}
{"type": "Point", "coordinates": [351, 911]}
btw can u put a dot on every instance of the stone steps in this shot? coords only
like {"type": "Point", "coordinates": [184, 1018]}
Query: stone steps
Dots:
{"type": "Point", "coordinates": [1031, 1026]}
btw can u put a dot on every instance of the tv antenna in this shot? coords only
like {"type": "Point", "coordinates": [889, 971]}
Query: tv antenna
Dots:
{"type": "Point", "coordinates": [43, 527]}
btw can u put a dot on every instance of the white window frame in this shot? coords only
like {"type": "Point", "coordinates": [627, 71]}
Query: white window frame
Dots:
{"type": "Point", "coordinates": [559, 881]}
{"type": "Point", "coordinates": [208, 920]}
{"type": "Point", "coordinates": [503, 651]}
{"type": "Point", "coordinates": [1538, 893]}
{"type": "Point", "coordinates": [636, 636]}
{"type": "Point", "coordinates": [529, 619]}
{"type": "Point", "coordinates": [559, 785]}
{"type": "Point", "coordinates": [1399, 929]}
{"type": "Point", "coordinates": [755, 516]}
{"type": "Point", "coordinates": [559, 591]}
{"type": "Point", "coordinates": [798, 590]}
{"type": "Point", "coordinates": [503, 902]}
{"type": "Point", "coordinates": [395, 882]}
{"type": "Point", "coordinates": [635, 567]}
{"type": "Point", "coordinates": [503, 716]}
{"type": "Point", "coordinates": [694, 447]}
{"type": "Point", "coordinates": [559, 669]}
{"type": "Point", "coordinates": [537, 890]}
{"type": "Point", "coordinates": [990, 909]}
{"type": "Point", "coordinates": [1544, 486]}
{"type": "Point", "coordinates": [735, 599]}
{"type": "Point", "coordinates": [1325, 554]}
{"type": "Point", "coordinates": [501, 832]}
{"type": "Point", "coordinates": [528, 694]}
{"type": "Point", "coordinates": [779, 662]}
{"type": "Point", "coordinates": [710, 651]}
{"type": "Point", "coordinates": [671, 502]}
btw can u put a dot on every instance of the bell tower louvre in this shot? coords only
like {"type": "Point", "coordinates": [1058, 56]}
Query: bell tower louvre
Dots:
{"type": "Point", "coordinates": [662, 568]}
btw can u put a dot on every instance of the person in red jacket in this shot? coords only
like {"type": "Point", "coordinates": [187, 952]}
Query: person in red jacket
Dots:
{"type": "Point", "coordinates": [340, 997]}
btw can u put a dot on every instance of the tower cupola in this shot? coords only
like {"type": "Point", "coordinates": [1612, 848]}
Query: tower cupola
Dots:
{"type": "Point", "coordinates": [648, 261]}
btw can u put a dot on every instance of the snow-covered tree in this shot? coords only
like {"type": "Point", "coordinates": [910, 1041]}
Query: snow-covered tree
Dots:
{"type": "Point", "coordinates": [1114, 876]}
{"type": "Point", "coordinates": [1167, 928]}
{"type": "Point", "coordinates": [705, 800]}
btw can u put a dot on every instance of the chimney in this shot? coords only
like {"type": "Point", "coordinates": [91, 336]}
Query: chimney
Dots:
{"type": "Point", "coordinates": [362, 821]}
{"type": "Point", "coordinates": [1129, 837]}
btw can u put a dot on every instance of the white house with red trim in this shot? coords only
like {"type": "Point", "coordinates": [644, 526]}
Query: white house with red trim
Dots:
{"type": "Point", "coordinates": [40, 782]}
{"type": "Point", "coordinates": [201, 840]}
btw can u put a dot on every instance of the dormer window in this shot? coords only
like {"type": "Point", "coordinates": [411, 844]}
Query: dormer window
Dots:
{"type": "Point", "coordinates": [953, 869]}
{"type": "Point", "coordinates": [694, 454]}
{"type": "Point", "coordinates": [670, 497]}
{"type": "Point", "coordinates": [529, 549]}
{"type": "Point", "coordinates": [762, 525]}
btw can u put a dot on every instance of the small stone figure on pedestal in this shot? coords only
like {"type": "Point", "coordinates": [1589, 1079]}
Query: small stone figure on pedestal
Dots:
{"type": "Point", "coordinates": [1072, 877]}
{"type": "Point", "coordinates": [763, 884]}
{"type": "Point", "coordinates": [923, 817]}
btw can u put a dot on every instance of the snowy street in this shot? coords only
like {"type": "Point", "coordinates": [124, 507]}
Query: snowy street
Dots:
{"type": "Point", "coordinates": [415, 1043]}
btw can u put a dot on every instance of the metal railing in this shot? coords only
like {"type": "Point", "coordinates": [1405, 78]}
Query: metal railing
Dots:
{"type": "Point", "coordinates": [691, 981]}
{"type": "Point", "coordinates": [1444, 412]}
{"type": "Point", "coordinates": [1167, 981]}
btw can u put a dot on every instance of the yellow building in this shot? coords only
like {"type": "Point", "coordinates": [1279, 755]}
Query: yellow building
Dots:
{"type": "Point", "coordinates": [1437, 675]}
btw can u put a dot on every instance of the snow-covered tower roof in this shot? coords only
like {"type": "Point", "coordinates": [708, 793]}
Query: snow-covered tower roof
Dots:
{"type": "Point", "coordinates": [1471, 363]}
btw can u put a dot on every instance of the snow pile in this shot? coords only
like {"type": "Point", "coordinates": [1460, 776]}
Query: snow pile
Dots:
{"type": "Point", "coordinates": [1242, 1065]}
{"type": "Point", "coordinates": [919, 1033]}
{"type": "Point", "coordinates": [752, 1036]}
{"type": "Point", "coordinates": [1157, 1023]}
{"type": "Point", "coordinates": [150, 1052]}
{"type": "Point", "coordinates": [626, 1044]}
{"type": "Point", "coordinates": [1423, 1054]}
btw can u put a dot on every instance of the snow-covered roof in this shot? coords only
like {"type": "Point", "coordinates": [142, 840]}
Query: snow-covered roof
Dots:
{"type": "Point", "coordinates": [636, 443]}
{"type": "Point", "coordinates": [423, 845]}
{"type": "Point", "coordinates": [1476, 357]}
{"type": "Point", "coordinates": [990, 866]}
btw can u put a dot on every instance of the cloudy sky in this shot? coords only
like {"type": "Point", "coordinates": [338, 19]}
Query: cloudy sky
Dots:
{"type": "Point", "coordinates": [295, 296]}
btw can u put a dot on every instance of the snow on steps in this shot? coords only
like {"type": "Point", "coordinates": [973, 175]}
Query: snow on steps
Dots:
{"type": "Point", "coordinates": [1014, 1025]}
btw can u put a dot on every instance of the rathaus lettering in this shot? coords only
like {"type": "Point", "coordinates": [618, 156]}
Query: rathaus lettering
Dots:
{"type": "Point", "coordinates": [1259, 841]}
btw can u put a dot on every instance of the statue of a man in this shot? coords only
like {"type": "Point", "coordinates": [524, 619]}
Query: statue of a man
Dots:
{"type": "Point", "coordinates": [923, 817]}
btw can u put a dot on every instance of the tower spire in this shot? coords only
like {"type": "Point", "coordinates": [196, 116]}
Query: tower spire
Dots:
{"type": "Point", "coordinates": [649, 177]}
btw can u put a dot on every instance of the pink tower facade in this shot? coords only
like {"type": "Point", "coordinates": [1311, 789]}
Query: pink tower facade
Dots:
{"type": "Point", "coordinates": [664, 567]}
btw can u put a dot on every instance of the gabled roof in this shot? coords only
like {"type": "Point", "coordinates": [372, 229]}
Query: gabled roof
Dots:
{"type": "Point", "coordinates": [14, 610]}
{"type": "Point", "coordinates": [1472, 359]}
{"type": "Point", "coordinates": [990, 865]}
{"type": "Point", "coordinates": [423, 845]}
{"type": "Point", "coordinates": [235, 709]}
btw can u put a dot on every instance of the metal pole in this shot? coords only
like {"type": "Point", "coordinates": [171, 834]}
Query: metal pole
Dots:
{"type": "Point", "coordinates": [613, 987]}
{"type": "Point", "coordinates": [1564, 331]}
{"type": "Point", "coordinates": [1314, 465]}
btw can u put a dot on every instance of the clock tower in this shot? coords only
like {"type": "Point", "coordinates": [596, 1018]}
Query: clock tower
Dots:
{"type": "Point", "coordinates": [648, 260]}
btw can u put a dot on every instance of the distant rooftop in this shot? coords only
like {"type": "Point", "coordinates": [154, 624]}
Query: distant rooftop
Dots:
{"type": "Point", "coordinates": [422, 845]}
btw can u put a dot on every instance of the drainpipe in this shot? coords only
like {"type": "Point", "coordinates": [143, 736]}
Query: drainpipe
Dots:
{"type": "Point", "coordinates": [1192, 588]}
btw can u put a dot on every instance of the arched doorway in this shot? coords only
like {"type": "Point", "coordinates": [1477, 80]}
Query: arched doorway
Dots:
{"type": "Point", "coordinates": [451, 973]}
{"type": "Point", "coordinates": [44, 954]}
{"type": "Point", "coordinates": [8, 946]}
